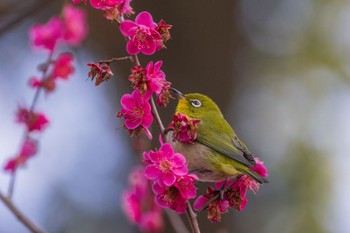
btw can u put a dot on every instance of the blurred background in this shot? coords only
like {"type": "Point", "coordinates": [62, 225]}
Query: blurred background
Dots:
{"type": "Point", "coordinates": [279, 70]}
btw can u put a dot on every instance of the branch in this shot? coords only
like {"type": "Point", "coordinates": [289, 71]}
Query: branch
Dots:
{"type": "Point", "coordinates": [192, 217]}
{"type": "Point", "coordinates": [130, 58]}
{"type": "Point", "coordinates": [21, 217]}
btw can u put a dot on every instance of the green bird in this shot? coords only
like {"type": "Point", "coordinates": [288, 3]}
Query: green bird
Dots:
{"type": "Point", "coordinates": [217, 154]}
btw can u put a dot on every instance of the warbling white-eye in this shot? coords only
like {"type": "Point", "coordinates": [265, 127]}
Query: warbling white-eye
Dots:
{"type": "Point", "coordinates": [217, 154]}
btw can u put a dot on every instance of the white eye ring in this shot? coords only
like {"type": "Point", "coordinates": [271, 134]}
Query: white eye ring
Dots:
{"type": "Point", "coordinates": [196, 103]}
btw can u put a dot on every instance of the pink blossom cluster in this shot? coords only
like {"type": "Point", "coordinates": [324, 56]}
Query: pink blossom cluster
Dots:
{"type": "Point", "coordinates": [34, 122]}
{"type": "Point", "coordinates": [112, 8]}
{"type": "Point", "coordinates": [61, 68]}
{"type": "Point", "coordinates": [136, 108]}
{"type": "Point", "coordinates": [234, 195]}
{"type": "Point", "coordinates": [71, 28]}
{"type": "Point", "coordinates": [145, 35]}
{"type": "Point", "coordinates": [184, 128]}
{"type": "Point", "coordinates": [139, 204]}
{"type": "Point", "coordinates": [172, 184]}
{"type": "Point", "coordinates": [151, 79]}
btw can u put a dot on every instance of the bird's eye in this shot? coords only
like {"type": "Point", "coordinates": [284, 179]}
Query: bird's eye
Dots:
{"type": "Point", "coordinates": [196, 103]}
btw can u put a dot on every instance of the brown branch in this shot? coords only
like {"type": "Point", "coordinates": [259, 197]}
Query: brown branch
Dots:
{"type": "Point", "coordinates": [130, 58]}
{"type": "Point", "coordinates": [21, 217]}
{"type": "Point", "coordinates": [192, 217]}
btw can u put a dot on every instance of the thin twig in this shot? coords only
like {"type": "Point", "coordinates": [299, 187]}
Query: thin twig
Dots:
{"type": "Point", "coordinates": [21, 217]}
{"type": "Point", "coordinates": [116, 59]}
{"type": "Point", "coordinates": [192, 217]}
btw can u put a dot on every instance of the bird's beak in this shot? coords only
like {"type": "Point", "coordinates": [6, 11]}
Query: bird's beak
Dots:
{"type": "Point", "coordinates": [178, 93]}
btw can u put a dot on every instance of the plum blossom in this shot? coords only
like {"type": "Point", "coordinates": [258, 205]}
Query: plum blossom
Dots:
{"type": "Point", "coordinates": [163, 29]}
{"type": "Point", "coordinates": [151, 78]}
{"type": "Point", "coordinates": [46, 35]}
{"type": "Point", "coordinates": [33, 121]}
{"type": "Point", "coordinates": [165, 165]}
{"type": "Point", "coordinates": [143, 36]}
{"type": "Point", "coordinates": [172, 184]}
{"type": "Point", "coordinates": [63, 67]}
{"type": "Point", "coordinates": [139, 205]}
{"type": "Point", "coordinates": [136, 111]}
{"type": "Point", "coordinates": [100, 72]}
{"type": "Point", "coordinates": [215, 208]}
{"type": "Point", "coordinates": [75, 26]}
{"type": "Point", "coordinates": [184, 128]}
{"type": "Point", "coordinates": [29, 148]}
{"type": "Point", "coordinates": [155, 76]}
{"type": "Point", "coordinates": [169, 197]}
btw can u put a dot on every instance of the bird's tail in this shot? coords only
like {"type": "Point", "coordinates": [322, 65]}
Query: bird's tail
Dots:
{"type": "Point", "coordinates": [254, 175]}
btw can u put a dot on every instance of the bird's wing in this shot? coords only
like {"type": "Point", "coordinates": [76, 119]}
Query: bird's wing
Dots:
{"type": "Point", "coordinates": [243, 148]}
{"type": "Point", "coordinates": [223, 146]}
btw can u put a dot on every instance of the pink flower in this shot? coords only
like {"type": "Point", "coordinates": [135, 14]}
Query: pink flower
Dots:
{"type": "Point", "coordinates": [46, 35]}
{"type": "Point", "coordinates": [185, 185]}
{"type": "Point", "coordinates": [34, 82]}
{"type": "Point", "coordinates": [151, 78]}
{"type": "Point", "coordinates": [33, 121]}
{"type": "Point", "coordinates": [169, 197]}
{"type": "Point", "coordinates": [143, 36]}
{"type": "Point", "coordinates": [260, 168]}
{"type": "Point", "coordinates": [152, 222]}
{"type": "Point", "coordinates": [75, 25]}
{"type": "Point", "coordinates": [11, 165]}
{"type": "Point", "coordinates": [215, 208]}
{"type": "Point", "coordinates": [104, 4]}
{"type": "Point", "coordinates": [121, 9]}
{"type": "Point", "coordinates": [136, 111]}
{"type": "Point", "coordinates": [63, 66]}
{"type": "Point", "coordinates": [102, 72]}
{"type": "Point", "coordinates": [165, 165]}
{"type": "Point", "coordinates": [139, 205]}
{"type": "Point", "coordinates": [155, 76]}
{"type": "Point", "coordinates": [29, 148]}
{"type": "Point", "coordinates": [185, 128]}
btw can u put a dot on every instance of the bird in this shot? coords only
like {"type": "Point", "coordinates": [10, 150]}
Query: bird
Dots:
{"type": "Point", "coordinates": [217, 154]}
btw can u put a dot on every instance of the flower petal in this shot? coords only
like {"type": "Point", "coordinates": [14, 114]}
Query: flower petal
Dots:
{"type": "Point", "coordinates": [168, 178]}
{"type": "Point", "coordinates": [152, 172]}
{"type": "Point", "coordinates": [178, 160]}
{"type": "Point", "coordinates": [125, 27]}
{"type": "Point", "coordinates": [199, 202]}
{"type": "Point", "coordinates": [167, 150]}
{"type": "Point", "coordinates": [131, 48]}
{"type": "Point", "coordinates": [150, 48]}
{"type": "Point", "coordinates": [144, 18]}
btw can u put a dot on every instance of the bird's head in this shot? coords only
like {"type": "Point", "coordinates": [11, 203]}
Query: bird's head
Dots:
{"type": "Point", "coordinates": [196, 105]}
